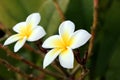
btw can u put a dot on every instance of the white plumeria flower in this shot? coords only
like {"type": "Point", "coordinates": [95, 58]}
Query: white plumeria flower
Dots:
{"type": "Point", "coordinates": [64, 43]}
{"type": "Point", "coordinates": [26, 31]}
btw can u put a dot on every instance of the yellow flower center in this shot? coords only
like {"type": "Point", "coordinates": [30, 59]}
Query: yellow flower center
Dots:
{"type": "Point", "coordinates": [66, 40]}
{"type": "Point", "coordinates": [64, 44]}
{"type": "Point", "coordinates": [26, 31]}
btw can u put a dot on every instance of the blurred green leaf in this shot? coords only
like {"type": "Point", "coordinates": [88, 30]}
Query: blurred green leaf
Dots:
{"type": "Point", "coordinates": [106, 42]}
{"type": "Point", "coordinates": [50, 16]}
{"type": "Point", "coordinates": [104, 64]}
{"type": "Point", "coordinates": [80, 12]}
{"type": "Point", "coordinates": [12, 12]}
{"type": "Point", "coordinates": [113, 72]}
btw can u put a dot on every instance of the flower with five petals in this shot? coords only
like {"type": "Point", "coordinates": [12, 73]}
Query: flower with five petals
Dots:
{"type": "Point", "coordinates": [64, 43]}
{"type": "Point", "coordinates": [26, 31]}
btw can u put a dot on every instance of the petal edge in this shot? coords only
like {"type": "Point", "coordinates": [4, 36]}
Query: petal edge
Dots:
{"type": "Point", "coordinates": [33, 18]}
{"type": "Point", "coordinates": [66, 59]}
{"type": "Point", "coordinates": [18, 26]}
{"type": "Point", "coordinates": [12, 39]}
{"type": "Point", "coordinates": [50, 56]}
{"type": "Point", "coordinates": [66, 30]}
{"type": "Point", "coordinates": [79, 38]}
{"type": "Point", "coordinates": [53, 42]}
{"type": "Point", "coordinates": [19, 44]}
{"type": "Point", "coordinates": [37, 33]}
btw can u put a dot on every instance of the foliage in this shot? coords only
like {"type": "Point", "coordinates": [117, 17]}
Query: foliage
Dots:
{"type": "Point", "coordinates": [103, 64]}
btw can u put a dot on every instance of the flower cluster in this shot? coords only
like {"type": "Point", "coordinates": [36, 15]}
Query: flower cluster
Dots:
{"type": "Point", "coordinates": [61, 45]}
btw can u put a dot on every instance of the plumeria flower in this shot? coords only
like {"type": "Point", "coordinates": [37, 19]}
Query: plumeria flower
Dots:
{"type": "Point", "coordinates": [26, 31]}
{"type": "Point", "coordinates": [64, 43]}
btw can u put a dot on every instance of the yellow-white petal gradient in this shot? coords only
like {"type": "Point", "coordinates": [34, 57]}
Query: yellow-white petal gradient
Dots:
{"type": "Point", "coordinates": [66, 29]}
{"type": "Point", "coordinates": [12, 39]}
{"type": "Point", "coordinates": [66, 58]}
{"type": "Point", "coordinates": [33, 19]}
{"type": "Point", "coordinates": [19, 26]}
{"type": "Point", "coordinates": [36, 34]}
{"type": "Point", "coordinates": [50, 56]}
{"type": "Point", "coordinates": [79, 38]}
{"type": "Point", "coordinates": [53, 42]}
{"type": "Point", "coordinates": [28, 30]}
{"type": "Point", "coordinates": [19, 44]}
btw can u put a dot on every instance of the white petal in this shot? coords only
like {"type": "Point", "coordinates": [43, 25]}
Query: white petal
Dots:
{"type": "Point", "coordinates": [66, 58]}
{"type": "Point", "coordinates": [52, 42]}
{"type": "Point", "coordinates": [79, 38]}
{"type": "Point", "coordinates": [50, 56]}
{"type": "Point", "coordinates": [66, 29]}
{"type": "Point", "coordinates": [19, 26]}
{"type": "Point", "coordinates": [19, 44]}
{"type": "Point", "coordinates": [33, 19]}
{"type": "Point", "coordinates": [37, 33]}
{"type": "Point", "coordinates": [12, 39]}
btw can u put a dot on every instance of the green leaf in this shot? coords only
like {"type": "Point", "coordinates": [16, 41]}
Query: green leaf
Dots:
{"type": "Point", "coordinates": [80, 12]}
{"type": "Point", "coordinates": [50, 16]}
{"type": "Point", "coordinates": [106, 42]}
{"type": "Point", "coordinates": [114, 66]}
{"type": "Point", "coordinates": [12, 12]}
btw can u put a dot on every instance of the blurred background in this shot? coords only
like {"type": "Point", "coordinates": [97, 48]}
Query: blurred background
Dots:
{"type": "Point", "coordinates": [104, 64]}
